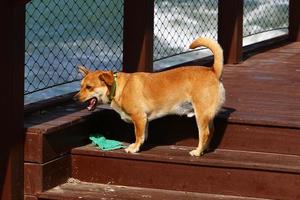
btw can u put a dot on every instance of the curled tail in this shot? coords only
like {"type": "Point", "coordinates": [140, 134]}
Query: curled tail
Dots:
{"type": "Point", "coordinates": [216, 50]}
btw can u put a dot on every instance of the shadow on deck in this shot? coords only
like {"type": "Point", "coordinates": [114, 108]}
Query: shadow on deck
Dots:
{"type": "Point", "coordinates": [256, 145]}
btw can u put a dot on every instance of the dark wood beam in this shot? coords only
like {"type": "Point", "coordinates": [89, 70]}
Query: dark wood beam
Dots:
{"type": "Point", "coordinates": [294, 20]}
{"type": "Point", "coordinates": [230, 29]}
{"type": "Point", "coordinates": [138, 35]}
{"type": "Point", "coordinates": [12, 20]}
{"type": "Point", "coordinates": [22, 1]}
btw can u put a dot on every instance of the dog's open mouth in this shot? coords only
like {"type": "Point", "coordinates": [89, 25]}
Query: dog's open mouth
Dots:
{"type": "Point", "coordinates": [92, 103]}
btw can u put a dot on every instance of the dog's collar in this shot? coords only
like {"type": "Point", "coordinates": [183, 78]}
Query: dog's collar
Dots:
{"type": "Point", "coordinates": [113, 88]}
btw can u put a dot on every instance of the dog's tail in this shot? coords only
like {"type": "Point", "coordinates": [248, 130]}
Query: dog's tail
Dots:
{"type": "Point", "coordinates": [216, 50]}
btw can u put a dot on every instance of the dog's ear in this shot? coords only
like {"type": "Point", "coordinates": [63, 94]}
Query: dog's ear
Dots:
{"type": "Point", "coordinates": [107, 77]}
{"type": "Point", "coordinates": [83, 70]}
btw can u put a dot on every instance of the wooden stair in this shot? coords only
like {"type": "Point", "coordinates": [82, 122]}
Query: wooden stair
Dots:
{"type": "Point", "coordinates": [50, 135]}
{"type": "Point", "coordinates": [224, 172]}
{"type": "Point", "coordinates": [255, 151]}
{"type": "Point", "coordinates": [241, 165]}
{"type": "Point", "coordinates": [75, 189]}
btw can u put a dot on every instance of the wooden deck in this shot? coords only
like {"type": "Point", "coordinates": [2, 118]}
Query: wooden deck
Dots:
{"type": "Point", "coordinates": [265, 89]}
{"type": "Point", "coordinates": [257, 141]}
{"type": "Point", "coordinates": [50, 139]}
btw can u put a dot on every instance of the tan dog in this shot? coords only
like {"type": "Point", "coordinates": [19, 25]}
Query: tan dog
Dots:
{"type": "Point", "coordinates": [141, 97]}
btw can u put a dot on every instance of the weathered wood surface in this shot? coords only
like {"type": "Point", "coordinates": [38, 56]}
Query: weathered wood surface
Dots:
{"type": "Point", "coordinates": [237, 173]}
{"type": "Point", "coordinates": [218, 158]}
{"type": "Point", "coordinates": [41, 177]}
{"type": "Point", "coordinates": [91, 191]}
{"type": "Point", "coordinates": [265, 89]}
{"type": "Point", "coordinates": [53, 132]}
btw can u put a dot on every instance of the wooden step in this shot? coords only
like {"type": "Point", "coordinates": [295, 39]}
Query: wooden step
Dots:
{"type": "Point", "coordinates": [90, 191]}
{"type": "Point", "coordinates": [229, 133]}
{"type": "Point", "coordinates": [224, 172]}
{"type": "Point", "coordinates": [50, 136]}
{"type": "Point", "coordinates": [41, 177]}
{"type": "Point", "coordinates": [53, 132]}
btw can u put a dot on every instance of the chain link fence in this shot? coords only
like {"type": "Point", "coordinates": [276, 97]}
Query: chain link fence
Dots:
{"type": "Point", "coordinates": [177, 23]}
{"type": "Point", "coordinates": [61, 34]}
{"type": "Point", "coordinates": [265, 15]}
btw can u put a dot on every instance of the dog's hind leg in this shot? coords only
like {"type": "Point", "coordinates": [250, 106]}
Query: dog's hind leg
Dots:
{"type": "Point", "coordinates": [205, 129]}
{"type": "Point", "coordinates": [140, 125]}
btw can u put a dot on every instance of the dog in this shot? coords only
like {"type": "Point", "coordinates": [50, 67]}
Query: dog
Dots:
{"type": "Point", "coordinates": [141, 97]}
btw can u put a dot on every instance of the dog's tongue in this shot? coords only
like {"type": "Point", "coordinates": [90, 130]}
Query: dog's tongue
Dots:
{"type": "Point", "coordinates": [92, 104]}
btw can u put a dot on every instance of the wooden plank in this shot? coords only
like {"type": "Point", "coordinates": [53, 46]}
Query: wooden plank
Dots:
{"type": "Point", "coordinates": [138, 35]}
{"type": "Point", "coordinates": [230, 29]}
{"type": "Point", "coordinates": [30, 197]}
{"type": "Point", "coordinates": [92, 191]}
{"type": "Point", "coordinates": [294, 20]}
{"type": "Point", "coordinates": [218, 158]}
{"type": "Point", "coordinates": [55, 131]}
{"type": "Point", "coordinates": [55, 118]}
{"type": "Point", "coordinates": [33, 148]}
{"type": "Point", "coordinates": [264, 89]}
{"type": "Point", "coordinates": [183, 131]}
{"type": "Point", "coordinates": [12, 20]}
{"type": "Point", "coordinates": [40, 148]}
{"type": "Point", "coordinates": [46, 103]}
{"type": "Point", "coordinates": [41, 177]}
{"type": "Point", "coordinates": [179, 130]}
{"type": "Point", "coordinates": [193, 178]}
{"type": "Point", "coordinates": [257, 138]}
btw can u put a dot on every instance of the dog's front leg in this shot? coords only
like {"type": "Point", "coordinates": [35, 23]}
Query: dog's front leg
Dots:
{"type": "Point", "coordinates": [140, 123]}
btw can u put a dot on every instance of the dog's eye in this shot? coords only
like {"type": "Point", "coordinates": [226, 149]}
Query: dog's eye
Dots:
{"type": "Point", "coordinates": [88, 87]}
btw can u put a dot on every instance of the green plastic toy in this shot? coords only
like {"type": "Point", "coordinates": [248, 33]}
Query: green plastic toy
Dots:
{"type": "Point", "coordinates": [105, 144]}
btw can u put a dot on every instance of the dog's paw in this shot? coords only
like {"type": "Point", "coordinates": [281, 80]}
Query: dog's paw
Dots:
{"type": "Point", "coordinates": [133, 148]}
{"type": "Point", "coordinates": [196, 152]}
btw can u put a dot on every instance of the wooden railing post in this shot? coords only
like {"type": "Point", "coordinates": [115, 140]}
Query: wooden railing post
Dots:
{"type": "Point", "coordinates": [12, 20]}
{"type": "Point", "coordinates": [294, 20]}
{"type": "Point", "coordinates": [230, 29]}
{"type": "Point", "coordinates": [138, 35]}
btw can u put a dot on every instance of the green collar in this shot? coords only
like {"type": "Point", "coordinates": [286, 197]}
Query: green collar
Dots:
{"type": "Point", "coordinates": [113, 88]}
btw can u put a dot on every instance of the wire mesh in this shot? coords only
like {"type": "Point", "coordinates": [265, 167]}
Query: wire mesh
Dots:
{"type": "Point", "coordinates": [61, 34]}
{"type": "Point", "coordinates": [177, 23]}
{"type": "Point", "coordinates": [265, 15]}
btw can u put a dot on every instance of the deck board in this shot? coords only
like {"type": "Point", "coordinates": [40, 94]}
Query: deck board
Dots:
{"type": "Point", "coordinates": [265, 88]}
{"type": "Point", "coordinates": [76, 189]}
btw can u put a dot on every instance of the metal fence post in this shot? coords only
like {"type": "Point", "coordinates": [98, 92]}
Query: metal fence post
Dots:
{"type": "Point", "coordinates": [138, 35]}
{"type": "Point", "coordinates": [12, 20]}
{"type": "Point", "coordinates": [294, 20]}
{"type": "Point", "coordinates": [230, 29]}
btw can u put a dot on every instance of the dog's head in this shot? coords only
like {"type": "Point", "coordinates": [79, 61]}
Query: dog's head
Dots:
{"type": "Point", "coordinates": [95, 87]}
